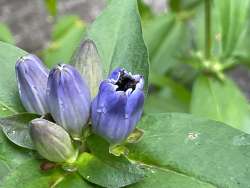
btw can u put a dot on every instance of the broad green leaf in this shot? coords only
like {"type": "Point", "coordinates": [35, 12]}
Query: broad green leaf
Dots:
{"type": "Point", "coordinates": [163, 178]}
{"type": "Point", "coordinates": [16, 129]}
{"type": "Point", "coordinates": [5, 34]}
{"type": "Point", "coordinates": [11, 156]}
{"type": "Point", "coordinates": [4, 111]}
{"type": "Point", "coordinates": [121, 44]}
{"type": "Point", "coordinates": [19, 167]}
{"type": "Point", "coordinates": [201, 149]}
{"type": "Point", "coordinates": [221, 101]}
{"type": "Point", "coordinates": [75, 181]}
{"type": "Point", "coordinates": [112, 171]}
{"type": "Point", "coordinates": [63, 45]}
{"type": "Point", "coordinates": [156, 176]}
{"type": "Point", "coordinates": [9, 97]}
{"type": "Point", "coordinates": [29, 175]}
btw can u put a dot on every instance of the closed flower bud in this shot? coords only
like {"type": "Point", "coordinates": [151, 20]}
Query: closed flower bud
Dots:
{"type": "Point", "coordinates": [52, 141]}
{"type": "Point", "coordinates": [32, 77]}
{"type": "Point", "coordinates": [88, 62]}
{"type": "Point", "coordinates": [118, 106]}
{"type": "Point", "coordinates": [68, 99]}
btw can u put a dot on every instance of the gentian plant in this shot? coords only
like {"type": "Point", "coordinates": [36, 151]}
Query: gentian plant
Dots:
{"type": "Point", "coordinates": [102, 118]}
{"type": "Point", "coordinates": [115, 110]}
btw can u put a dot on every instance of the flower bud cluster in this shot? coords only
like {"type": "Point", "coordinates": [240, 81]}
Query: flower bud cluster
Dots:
{"type": "Point", "coordinates": [63, 93]}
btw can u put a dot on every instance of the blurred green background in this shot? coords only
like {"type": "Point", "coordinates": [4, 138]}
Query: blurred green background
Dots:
{"type": "Point", "coordinates": [188, 71]}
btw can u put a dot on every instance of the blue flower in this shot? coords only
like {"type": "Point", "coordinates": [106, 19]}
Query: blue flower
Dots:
{"type": "Point", "coordinates": [68, 99]}
{"type": "Point", "coordinates": [32, 77]}
{"type": "Point", "coordinates": [118, 106]}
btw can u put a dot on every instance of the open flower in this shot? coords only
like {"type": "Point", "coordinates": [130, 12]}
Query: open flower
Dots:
{"type": "Point", "coordinates": [118, 106]}
{"type": "Point", "coordinates": [52, 141]}
{"type": "Point", "coordinates": [32, 77]}
{"type": "Point", "coordinates": [68, 99]}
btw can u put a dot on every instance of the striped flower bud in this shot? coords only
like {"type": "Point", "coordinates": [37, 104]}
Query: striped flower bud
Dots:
{"type": "Point", "coordinates": [68, 99]}
{"type": "Point", "coordinates": [88, 62]}
{"type": "Point", "coordinates": [118, 106]}
{"type": "Point", "coordinates": [32, 77]}
{"type": "Point", "coordinates": [52, 141]}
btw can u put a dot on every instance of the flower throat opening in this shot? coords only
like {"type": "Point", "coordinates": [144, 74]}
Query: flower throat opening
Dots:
{"type": "Point", "coordinates": [125, 82]}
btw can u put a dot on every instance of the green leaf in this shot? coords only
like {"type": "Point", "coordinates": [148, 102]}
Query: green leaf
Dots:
{"type": "Point", "coordinates": [165, 101]}
{"type": "Point", "coordinates": [117, 171]}
{"type": "Point", "coordinates": [75, 181]}
{"type": "Point", "coordinates": [9, 97]}
{"type": "Point", "coordinates": [171, 97]}
{"type": "Point", "coordinates": [66, 37]}
{"type": "Point", "coordinates": [163, 25]}
{"type": "Point", "coordinates": [19, 167]}
{"type": "Point", "coordinates": [5, 34]}
{"type": "Point", "coordinates": [145, 11]}
{"type": "Point", "coordinates": [163, 178]}
{"type": "Point", "coordinates": [221, 101]}
{"type": "Point", "coordinates": [51, 6]}
{"type": "Point", "coordinates": [122, 44]}
{"type": "Point", "coordinates": [16, 129]}
{"type": "Point", "coordinates": [228, 30]}
{"type": "Point", "coordinates": [29, 175]}
{"type": "Point", "coordinates": [11, 156]}
{"type": "Point", "coordinates": [156, 176]}
{"type": "Point", "coordinates": [201, 149]}
{"type": "Point", "coordinates": [232, 16]}
{"type": "Point", "coordinates": [63, 26]}
{"type": "Point", "coordinates": [168, 46]}
{"type": "Point", "coordinates": [182, 5]}
{"type": "Point", "coordinates": [113, 171]}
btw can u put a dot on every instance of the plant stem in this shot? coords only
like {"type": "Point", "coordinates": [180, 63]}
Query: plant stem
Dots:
{"type": "Point", "coordinates": [207, 28]}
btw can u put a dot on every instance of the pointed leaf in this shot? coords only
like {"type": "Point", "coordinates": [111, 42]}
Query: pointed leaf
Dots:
{"type": "Point", "coordinates": [9, 98]}
{"type": "Point", "coordinates": [122, 44]}
{"type": "Point", "coordinates": [16, 129]}
{"type": "Point", "coordinates": [118, 172]}
{"type": "Point", "coordinates": [202, 149]}
{"type": "Point", "coordinates": [221, 101]}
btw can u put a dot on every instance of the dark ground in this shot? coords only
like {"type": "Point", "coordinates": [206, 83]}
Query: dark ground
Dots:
{"type": "Point", "coordinates": [31, 25]}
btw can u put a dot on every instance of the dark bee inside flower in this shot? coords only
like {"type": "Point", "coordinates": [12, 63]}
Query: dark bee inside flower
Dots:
{"type": "Point", "coordinates": [126, 82]}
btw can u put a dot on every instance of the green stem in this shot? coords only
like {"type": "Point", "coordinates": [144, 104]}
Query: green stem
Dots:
{"type": "Point", "coordinates": [207, 29]}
